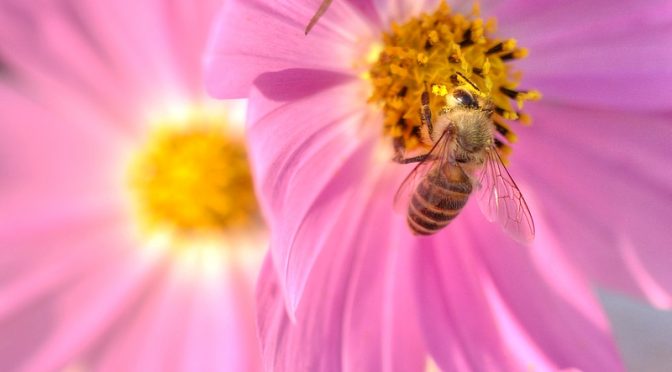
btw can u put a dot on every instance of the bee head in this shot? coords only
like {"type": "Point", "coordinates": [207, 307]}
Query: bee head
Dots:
{"type": "Point", "coordinates": [464, 98]}
{"type": "Point", "coordinates": [467, 95]}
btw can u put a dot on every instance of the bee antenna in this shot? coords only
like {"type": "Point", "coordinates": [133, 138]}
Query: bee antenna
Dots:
{"type": "Point", "coordinates": [468, 81]}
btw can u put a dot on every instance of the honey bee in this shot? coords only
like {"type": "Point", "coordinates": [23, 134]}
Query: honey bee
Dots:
{"type": "Point", "coordinates": [463, 159]}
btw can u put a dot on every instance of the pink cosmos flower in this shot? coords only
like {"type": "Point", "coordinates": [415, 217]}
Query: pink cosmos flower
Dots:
{"type": "Point", "coordinates": [347, 286]}
{"type": "Point", "coordinates": [127, 235]}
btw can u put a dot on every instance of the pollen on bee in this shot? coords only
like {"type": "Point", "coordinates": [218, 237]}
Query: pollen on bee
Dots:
{"type": "Point", "coordinates": [439, 90]}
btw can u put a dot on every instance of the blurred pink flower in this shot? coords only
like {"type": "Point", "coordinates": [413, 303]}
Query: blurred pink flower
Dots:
{"type": "Point", "coordinates": [346, 285]}
{"type": "Point", "coordinates": [82, 287]}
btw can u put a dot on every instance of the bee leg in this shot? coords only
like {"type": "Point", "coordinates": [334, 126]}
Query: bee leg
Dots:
{"type": "Point", "coordinates": [426, 112]}
{"type": "Point", "coordinates": [398, 144]}
{"type": "Point", "coordinates": [426, 119]}
{"type": "Point", "coordinates": [399, 158]}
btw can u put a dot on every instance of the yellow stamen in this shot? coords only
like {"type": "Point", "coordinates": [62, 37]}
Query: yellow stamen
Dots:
{"type": "Point", "coordinates": [193, 178]}
{"type": "Point", "coordinates": [440, 51]}
{"type": "Point", "coordinates": [440, 90]}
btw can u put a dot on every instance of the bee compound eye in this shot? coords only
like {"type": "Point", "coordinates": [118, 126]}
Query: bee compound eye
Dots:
{"type": "Point", "coordinates": [465, 98]}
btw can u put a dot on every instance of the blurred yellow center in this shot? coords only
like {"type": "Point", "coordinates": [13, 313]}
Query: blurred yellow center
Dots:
{"type": "Point", "coordinates": [437, 52]}
{"type": "Point", "coordinates": [193, 178]}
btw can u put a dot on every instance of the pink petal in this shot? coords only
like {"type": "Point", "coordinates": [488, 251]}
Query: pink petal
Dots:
{"type": "Point", "coordinates": [87, 52]}
{"type": "Point", "coordinates": [487, 304]}
{"type": "Point", "coordinates": [311, 343]}
{"type": "Point", "coordinates": [51, 253]}
{"type": "Point", "coordinates": [221, 333]}
{"type": "Point", "coordinates": [23, 331]}
{"type": "Point", "coordinates": [82, 76]}
{"type": "Point", "coordinates": [596, 53]}
{"type": "Point", "coordinates": [85, 310]}
{"type": "Point", "coordinates": [380, 309]}
{"type": "Point", "coordinates": [606, 190]}
{"type": "Point", "coordinates": [184, 324]}
{"type": "Point", "coordinates": [368, 9]}
{"type": "Point", "coordinates": [279, 28]}
{"type": "Point", "coordinates": [547, 301]}
{"type": "Point", "coordinates": [356, 313]}
{"type": "Point", "coordinates": [541, 21]}
{"type": "Point", "coordinates": [304, 171]}
{"type": "Point", "coordinates": [45, 47]}
{"type": "Point", "coordinates": [186, 24]}
{"type": "Point", "coordinates": [47, 158]}
{"type": "Point", "coordinates": [459, 326]}
{"type": "Point", "coordinates": [39, 266]}
{"type": "Point", "coordinates": [147, 335]}
{"type": "Point", "coordinates": [401, 10]}
{"type": "Point", "coordinates": [578, 75]}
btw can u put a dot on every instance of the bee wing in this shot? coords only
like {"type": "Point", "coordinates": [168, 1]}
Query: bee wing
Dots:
{"type": "Point", "coordinates": [437, 156]}
{"type": "Point", "coordinates": [501, 201]}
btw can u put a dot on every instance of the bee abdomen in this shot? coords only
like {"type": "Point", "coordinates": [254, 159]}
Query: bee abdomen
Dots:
{"type": "Point", "coordinates": [436, 202]}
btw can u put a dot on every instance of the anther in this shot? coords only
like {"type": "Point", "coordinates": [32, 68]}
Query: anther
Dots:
{"type": "Point", "coordinates": [507, 57]}
{"type": "Point", "coordinates": [510, 92]}
{"type": "Point", "coordinates": [506, 114]}
{"type": "Point", "coordinates": [467, 41]}
{"type": "Point", "coordinates": [501, 129]}
{"type": "Point", "coordinates": [454, 80]}
{"type": "Point", "coordinates": [495, 49]}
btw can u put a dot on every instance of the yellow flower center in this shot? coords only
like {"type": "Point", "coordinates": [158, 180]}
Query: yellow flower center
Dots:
{"type": "Point", "coordinates": [193, 178]}
{"type": "Point", "coordinates": [439, 52]}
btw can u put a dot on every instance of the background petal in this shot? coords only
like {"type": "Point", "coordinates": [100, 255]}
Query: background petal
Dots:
{"type": "Point", "coordinates": [81, 80]}
{"type": "Point", "coordinates": [116, 56]}
{"type": "Point", "coordinates": [216, 332]}
{"type": "Point", "coordinates": [50, 160]}
{"type": "Point", "coordinates": [76, 311]}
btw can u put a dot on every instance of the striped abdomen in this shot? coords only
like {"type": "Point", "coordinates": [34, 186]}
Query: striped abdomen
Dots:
{"type": "Point", "coordinates": [438, 199]}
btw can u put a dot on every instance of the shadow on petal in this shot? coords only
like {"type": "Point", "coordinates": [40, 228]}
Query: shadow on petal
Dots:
{"type": "Point", "coordinates": [296, 83]}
